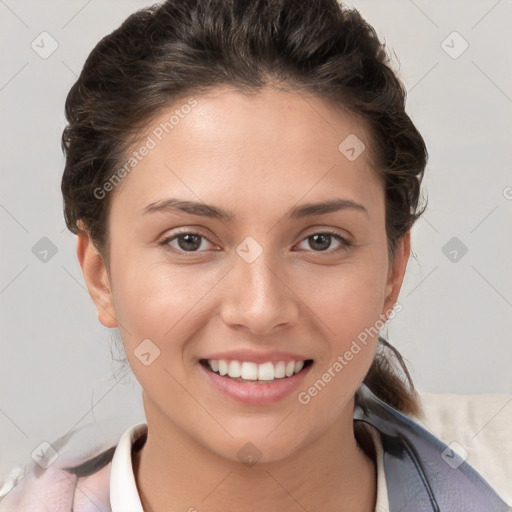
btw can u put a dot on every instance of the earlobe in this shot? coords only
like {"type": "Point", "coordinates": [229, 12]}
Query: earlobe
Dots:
{"type": "Point", "coordinates": [97, 279]}
{"type": "Point", "coordinates": [397, 271]}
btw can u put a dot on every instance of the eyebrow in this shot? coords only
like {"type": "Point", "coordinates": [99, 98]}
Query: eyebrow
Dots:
{"type": "Point", "coordinates": [298, 212]}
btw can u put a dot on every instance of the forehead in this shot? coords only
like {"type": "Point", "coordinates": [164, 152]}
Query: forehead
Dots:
{"type": "Point", "coordinates": [273, 145]}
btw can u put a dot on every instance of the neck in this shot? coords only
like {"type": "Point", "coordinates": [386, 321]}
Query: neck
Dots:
{"type": "Point", "coordinates": [174, 473]}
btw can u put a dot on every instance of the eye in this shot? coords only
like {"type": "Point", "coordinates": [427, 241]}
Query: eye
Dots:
{"type": "Point", "coordinates": [191, 241]}
{"type": "Point", "coordinates": [322, 240]}
{"type": "Point", "coordinates": [187, 241]}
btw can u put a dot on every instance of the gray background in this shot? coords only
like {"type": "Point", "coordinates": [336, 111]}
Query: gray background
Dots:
{"type": "Point", "coordinates": [56, 366]}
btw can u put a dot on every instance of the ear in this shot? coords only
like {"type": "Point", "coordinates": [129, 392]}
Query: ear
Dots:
{"type": "Point", "coordinates": [97, 279]}
{"type": "Point", "coordinates": [397, 271]}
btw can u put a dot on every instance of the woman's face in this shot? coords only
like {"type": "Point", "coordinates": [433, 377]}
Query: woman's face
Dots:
{"type": "Point", "coordinates": [256, 287]}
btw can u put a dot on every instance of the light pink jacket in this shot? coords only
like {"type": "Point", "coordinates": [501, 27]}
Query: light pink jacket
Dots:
{"type": "Point", "coordinates": [83, 487]}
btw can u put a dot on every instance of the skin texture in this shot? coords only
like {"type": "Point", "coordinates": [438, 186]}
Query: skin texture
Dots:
{"type": "Point", "coordinates": [257, 156]}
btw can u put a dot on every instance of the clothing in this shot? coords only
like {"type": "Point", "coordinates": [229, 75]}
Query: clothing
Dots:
{"type": "Point", "coordinates": [413, 473]}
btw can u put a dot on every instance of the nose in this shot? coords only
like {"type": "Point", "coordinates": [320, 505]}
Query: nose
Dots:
{"type": "Point", "coordinates": [258, 297]}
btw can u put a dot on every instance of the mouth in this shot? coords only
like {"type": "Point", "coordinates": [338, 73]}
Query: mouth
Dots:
{"type": "Point", "coordinates": [249, 372]}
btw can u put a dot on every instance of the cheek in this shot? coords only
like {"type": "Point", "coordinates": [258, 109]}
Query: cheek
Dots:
{"type": "Point", "coordinates": [350, 320]}
{"type": "Point", "coordinates": [147, 298]}
{"type": "Point", "coordinates": [164, 303]}
{"type": "Point", "coordinates": [348, 299]}
{"type": "Point", "coordinates": [347, 305]}
{"type": "Point", "coordinates": [158, 313]}
{"type": "Point", "coordinates": [153, 302]}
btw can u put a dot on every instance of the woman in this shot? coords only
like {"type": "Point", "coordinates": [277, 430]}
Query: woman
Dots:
{"type": "Point", "coordinates": [242, 178]}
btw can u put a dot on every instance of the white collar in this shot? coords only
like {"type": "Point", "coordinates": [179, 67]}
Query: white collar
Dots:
{"type": "Point", "coordinates": [124, 496]}
{"type": "Point", "coordinates": [382, 504]}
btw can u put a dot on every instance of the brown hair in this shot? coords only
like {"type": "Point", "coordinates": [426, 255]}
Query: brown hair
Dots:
{"type": "Point", "coordinates": [182, 47]}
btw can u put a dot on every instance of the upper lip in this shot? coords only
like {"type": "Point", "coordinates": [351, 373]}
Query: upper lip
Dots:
{"type": "Point", "coordinates": [256, 357]}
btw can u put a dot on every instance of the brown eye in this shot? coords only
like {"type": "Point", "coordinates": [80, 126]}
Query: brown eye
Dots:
{"type": "Point", "coordinates": [186, 242]}
{"type": "Point", "coordinates": [189, 241]}
{"type": "Point", "coordinates": [320, 242]}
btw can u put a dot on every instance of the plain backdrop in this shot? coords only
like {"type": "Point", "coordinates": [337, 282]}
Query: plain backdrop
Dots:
{"type": "Point", "coordinates": [57, 370]}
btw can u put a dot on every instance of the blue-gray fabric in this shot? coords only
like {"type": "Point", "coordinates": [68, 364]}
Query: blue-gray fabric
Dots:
{"type": "Point", "coordinates": [418, 478]}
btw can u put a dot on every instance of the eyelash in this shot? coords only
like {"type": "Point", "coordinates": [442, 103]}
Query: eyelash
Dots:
{"type": "Point", "coordinates": [345, 244]}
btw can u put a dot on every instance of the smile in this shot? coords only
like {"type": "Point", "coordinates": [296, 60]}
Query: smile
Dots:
{"type": "Point", "coordinates": [250, 371]}
{"type": "Point", "coordinates": [256, 384]}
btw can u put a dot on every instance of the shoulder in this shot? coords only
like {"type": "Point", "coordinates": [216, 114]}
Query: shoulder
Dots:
{"type": "Point", "coordinates": [70, 473]}
{"type": "Point", "coordinates": [478, 428]}
{"type": "Point", "coordinates": [425, 459]}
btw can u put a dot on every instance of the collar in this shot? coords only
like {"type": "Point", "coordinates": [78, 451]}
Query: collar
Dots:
{"type": "Point", "coordinates": [124, 496]}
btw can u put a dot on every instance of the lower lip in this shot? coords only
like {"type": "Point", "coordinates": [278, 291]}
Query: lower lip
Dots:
{"type": "Point", "coordinates": [253, 393]}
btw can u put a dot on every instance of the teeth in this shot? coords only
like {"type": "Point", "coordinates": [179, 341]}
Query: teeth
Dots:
{"type": "Point", "coordinates": [234, 369]}
{"type": "Point", "coordinates": [266, 371]}
{"type": "Point", "coordinates": [251, 371]}
{"type": "Point", "coordinates": [248, 371]}
{"type": "Point", "coordinates": [223, 367]}
{"type": "Point", "coordinates": [279, 370]}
